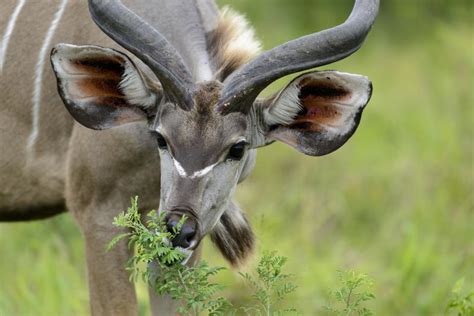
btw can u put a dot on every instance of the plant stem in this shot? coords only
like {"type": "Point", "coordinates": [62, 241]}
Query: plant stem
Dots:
{"type": "Point", "coordinates": [195, 308]}
{"type": "Point", "coordinates": [348, 301]}
{"type": "Point", "coordinates": [269, 307]}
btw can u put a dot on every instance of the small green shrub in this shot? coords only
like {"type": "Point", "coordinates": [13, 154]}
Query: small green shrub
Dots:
{"type": "Point", "coordinates": [460, 304]}
{"type": "Point", "coordinates": [355, 291]}
{"type": "Point", "coordinates": [152, 244]}
{"type": "Point", "coordinates": [193, 288]}
{"type": "Point", "coordinates": [191, 285]}
{"type": "Point", "coordinates": [270, 285]}
{"type": "Point", "coordinates": [151, 241]}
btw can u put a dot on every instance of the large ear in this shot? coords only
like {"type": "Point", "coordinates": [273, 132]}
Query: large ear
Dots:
{"type": "Point", "coordinates": [317, 112]}
{"type": "Point", "coordinates": [101, 87]}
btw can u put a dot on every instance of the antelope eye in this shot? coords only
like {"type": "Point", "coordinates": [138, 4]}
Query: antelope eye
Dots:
{"type": "Point", "coordinates": [236, 152]}
{"type": "Point", "coordinates": [161, 141]}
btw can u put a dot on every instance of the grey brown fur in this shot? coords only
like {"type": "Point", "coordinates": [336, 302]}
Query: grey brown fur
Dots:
{"type": "Point", "coordinates": [49, 163]}
{"type": "Point", "coordinates": [59, 173]}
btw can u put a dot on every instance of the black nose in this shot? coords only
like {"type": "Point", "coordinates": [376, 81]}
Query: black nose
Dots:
{"type": "Point", "coordinates": [187, 236]}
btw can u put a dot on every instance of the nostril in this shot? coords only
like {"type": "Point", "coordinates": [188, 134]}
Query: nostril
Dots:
{"type": "Point", "coordinates": [172, 222]}
{"type": "Point", "coordinates": [187, 233]}
{"type": "Point", "coordinates": [185, 237]}
{"type": "Point", "coordinates": [189, 238]}
{"type": "Point", "coordinates": [171, 226]}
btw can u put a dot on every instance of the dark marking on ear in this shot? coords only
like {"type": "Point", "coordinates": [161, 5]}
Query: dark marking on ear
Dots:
{"type": "Point", "coordinates": [99, 64]}
{"type": "Point", "coordinates": [317, 89]}
{"type": "Point", "coordinates": [235, 241]}
{"type": "Point", "coordinates": [111, 102]}
{"type": "Point", "coordinates": [305, 126]}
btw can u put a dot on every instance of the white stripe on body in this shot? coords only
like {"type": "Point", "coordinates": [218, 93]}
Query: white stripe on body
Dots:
{"type": "Point", "coordinates": [39, 70]}
{"type": "Point", "coordinates": [8, 32]}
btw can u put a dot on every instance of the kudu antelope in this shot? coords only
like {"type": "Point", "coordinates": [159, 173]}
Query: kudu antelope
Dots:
{"type": "Point", "coordinates": [181, 115]}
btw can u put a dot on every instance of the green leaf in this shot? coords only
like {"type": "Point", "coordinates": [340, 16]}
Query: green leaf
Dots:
{"type": "Point", "coordinates": [116, 239]}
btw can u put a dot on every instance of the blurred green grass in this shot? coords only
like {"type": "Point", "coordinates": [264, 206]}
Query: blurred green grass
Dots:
{"type": "Point", "coordinates": [396, 202]}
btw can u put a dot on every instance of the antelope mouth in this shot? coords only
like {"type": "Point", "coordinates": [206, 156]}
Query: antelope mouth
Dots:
{"type": "Point", "coordinates": [188, 253]}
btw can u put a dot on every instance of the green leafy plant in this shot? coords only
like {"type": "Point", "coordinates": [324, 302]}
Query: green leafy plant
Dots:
{"type": "Point", "coordinates": [154, 252]}
{"type": "Point", "coordinates": [270, 285]}
{"type": "Point", "coordinates": [151, 241]}
{"type": "Point", "coordinates": [160, 265]}
{"type": "Point", "coordinates": [460, 304]}
{"type": "Point", "coordinates": [350, 298]}
{"type": "Point", "coordinates": [191, 285]}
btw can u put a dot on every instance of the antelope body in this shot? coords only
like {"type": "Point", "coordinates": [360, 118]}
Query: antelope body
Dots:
{"type": "Point", "coordinates": [173, 86]}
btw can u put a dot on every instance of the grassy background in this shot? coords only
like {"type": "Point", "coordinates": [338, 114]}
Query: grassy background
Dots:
{"type": "Point", "coordinates": [396, 202]}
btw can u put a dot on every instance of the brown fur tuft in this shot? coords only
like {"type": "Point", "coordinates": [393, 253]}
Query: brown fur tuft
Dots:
{"type": "Point", "coordinates": [206, 95]}
{"type": "Point", "coordinates": [235, 240]}
{"type": "Point", "coordinates": [232, 43]}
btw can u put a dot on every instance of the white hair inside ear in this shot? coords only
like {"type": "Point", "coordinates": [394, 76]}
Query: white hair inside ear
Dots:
{"type": "Point", "coordinates": [135, 89]}
{"type": "Point", "coordinates": [285, 107]}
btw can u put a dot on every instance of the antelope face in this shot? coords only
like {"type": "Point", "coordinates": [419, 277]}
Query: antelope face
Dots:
{"type": "Point", "coordinates": [203, 155]}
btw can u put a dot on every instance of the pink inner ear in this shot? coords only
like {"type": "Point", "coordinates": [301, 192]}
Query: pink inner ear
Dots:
{"type": "Point", "coordinates": [96, 77]}
{"type": "Point", "coordinates": [95, 88]}
{"type": "Point", "coordinates": [323, 104]}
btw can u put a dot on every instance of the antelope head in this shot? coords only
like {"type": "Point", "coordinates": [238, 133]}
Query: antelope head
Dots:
{"type": "Point", "coordinates": [207, 132]}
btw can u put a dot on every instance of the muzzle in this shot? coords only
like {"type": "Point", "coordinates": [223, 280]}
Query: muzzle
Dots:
{"type": "Point", "coordinates": [189, 236]}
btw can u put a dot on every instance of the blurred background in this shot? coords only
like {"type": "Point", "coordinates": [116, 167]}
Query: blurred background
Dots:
{"type": "Point", "coordinates": [396, 202]}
